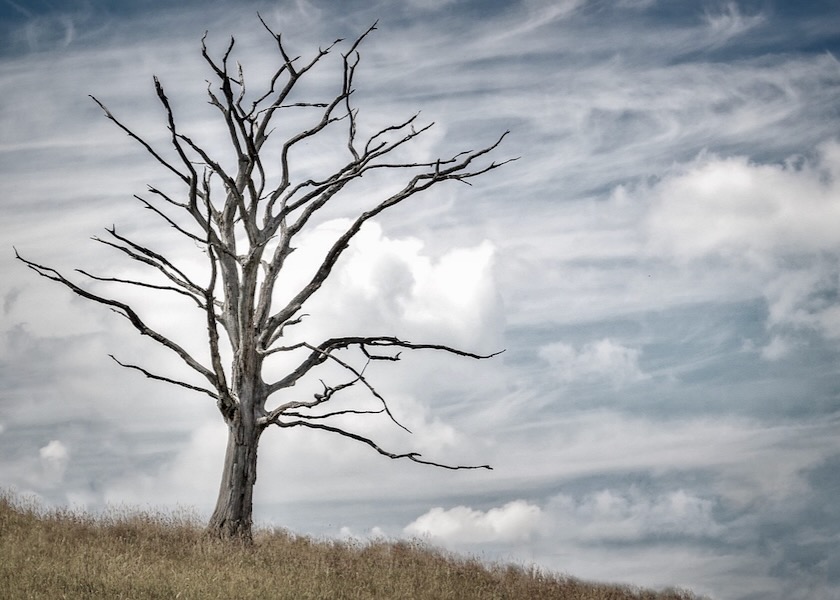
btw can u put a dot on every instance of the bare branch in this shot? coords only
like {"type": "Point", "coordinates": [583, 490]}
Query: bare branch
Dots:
{"type": "Point", "coordinates": [318, 399]}
{"type": "Point", "coordinates": [336, 413]}
{"type": "Point", "coordinates": [325, 189]}
{"type": "Point", "coordinates": [165, 379]}
{"type": "Point", "coordinates": [412, 456]}
{"type": "Point", "coordinates": [392, 128]}
{"type": "Point", "coordinates": [170, 117]}
{"type": "Point", "coordinates": [233, 114]}
{"type": "Point", "coordinates": [390, 341]}
{"type": "Point", "coordinates": [143, 284]}
{"type": "Point", "coordinates": [168, 219]}
{"type": "Point", "coordinates": [322, 353]}
{"type": "Point", "coordinates": [141, 141]}
{"type": "Point", "coordinates": [157, 192]}
{"type": "Point", "coordinates": [361, 38]}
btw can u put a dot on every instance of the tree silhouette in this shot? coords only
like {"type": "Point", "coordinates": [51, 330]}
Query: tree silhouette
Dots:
{"type": "Point", "coordinates": [244, 212]}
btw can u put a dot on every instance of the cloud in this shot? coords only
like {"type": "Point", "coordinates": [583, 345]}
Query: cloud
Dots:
{"type": "Point", "coordinates": [735, 208]}
{"type": "Point", "coordinates": [516, 521]}
{"type": "Point", "coordinates": [629, 515]}
{"type": "Point", "coordinates": [54, 458]}
{"type": "Point", "coordinates": [430, 5]}
{"type": "Point", "coordinates": [393, 284]}
{"type": "Point", "coordinates": [543, 13]}
{"type": "Point", "coordinates": [635, 4]}
{"type": "Point", "coordinates": [605, 515]}
{"type": "Point", "coordinates": [604, 359]}
{"type": "Point", "coordinates": [748, 463]}
{"type": "Point", "coordinates": [805, 296]}
{"type": "Point", "coordinates": [729, 22]}
{"type": "Point", "coordinates": [772, 222]}
{"type": "Point", "coordinates": [189, 477]}
{"type": "Point", "coordinates": [777, 348]}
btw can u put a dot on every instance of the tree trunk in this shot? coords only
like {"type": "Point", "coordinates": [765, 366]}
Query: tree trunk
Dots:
{"type": "Point", "coordinates": [231, 518]}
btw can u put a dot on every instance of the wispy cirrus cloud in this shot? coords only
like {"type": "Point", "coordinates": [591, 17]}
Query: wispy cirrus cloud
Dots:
{"type": "Point", "coordinates": [728, 22]}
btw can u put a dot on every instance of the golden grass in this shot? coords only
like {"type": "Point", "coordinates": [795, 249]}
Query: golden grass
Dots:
{"type": "Point", "coordinates": [67, 554]}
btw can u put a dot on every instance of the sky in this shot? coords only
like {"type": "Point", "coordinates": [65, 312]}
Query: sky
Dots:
{"type": "Point", "coordinates": [660, 267]}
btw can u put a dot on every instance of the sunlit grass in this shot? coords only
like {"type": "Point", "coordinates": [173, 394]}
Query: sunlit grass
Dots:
{"type": "Point", "coordinates": [124, 554]}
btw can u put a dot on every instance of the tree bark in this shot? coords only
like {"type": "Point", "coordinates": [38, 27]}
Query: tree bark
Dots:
{"type": "Point", "coordinates": [231, 518]}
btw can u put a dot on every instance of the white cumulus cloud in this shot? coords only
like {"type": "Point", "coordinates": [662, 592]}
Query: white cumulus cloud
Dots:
{"type": "Point", "coordinates": [515, 521]}
{"type": "Point", "coordinates": [737, 209]}
{"type": "Point", "coordinates": [395, 285]}
{"type": "Point", "coordinates": [773, 223]}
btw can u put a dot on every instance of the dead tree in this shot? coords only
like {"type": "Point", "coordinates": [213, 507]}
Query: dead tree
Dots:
{"type": "Point", "coordinates": [244, 215]}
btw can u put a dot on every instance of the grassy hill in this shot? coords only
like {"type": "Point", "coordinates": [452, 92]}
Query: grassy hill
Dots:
{"type": "Point", "coordinates": [65, 554]}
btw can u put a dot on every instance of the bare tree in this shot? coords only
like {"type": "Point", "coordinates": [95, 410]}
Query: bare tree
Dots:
{"type": "Point", "coordinates": [244, 215]}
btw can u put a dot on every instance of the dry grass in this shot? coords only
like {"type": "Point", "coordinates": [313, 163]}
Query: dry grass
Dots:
{"type": "Point", "coordinates": [65, 554]}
